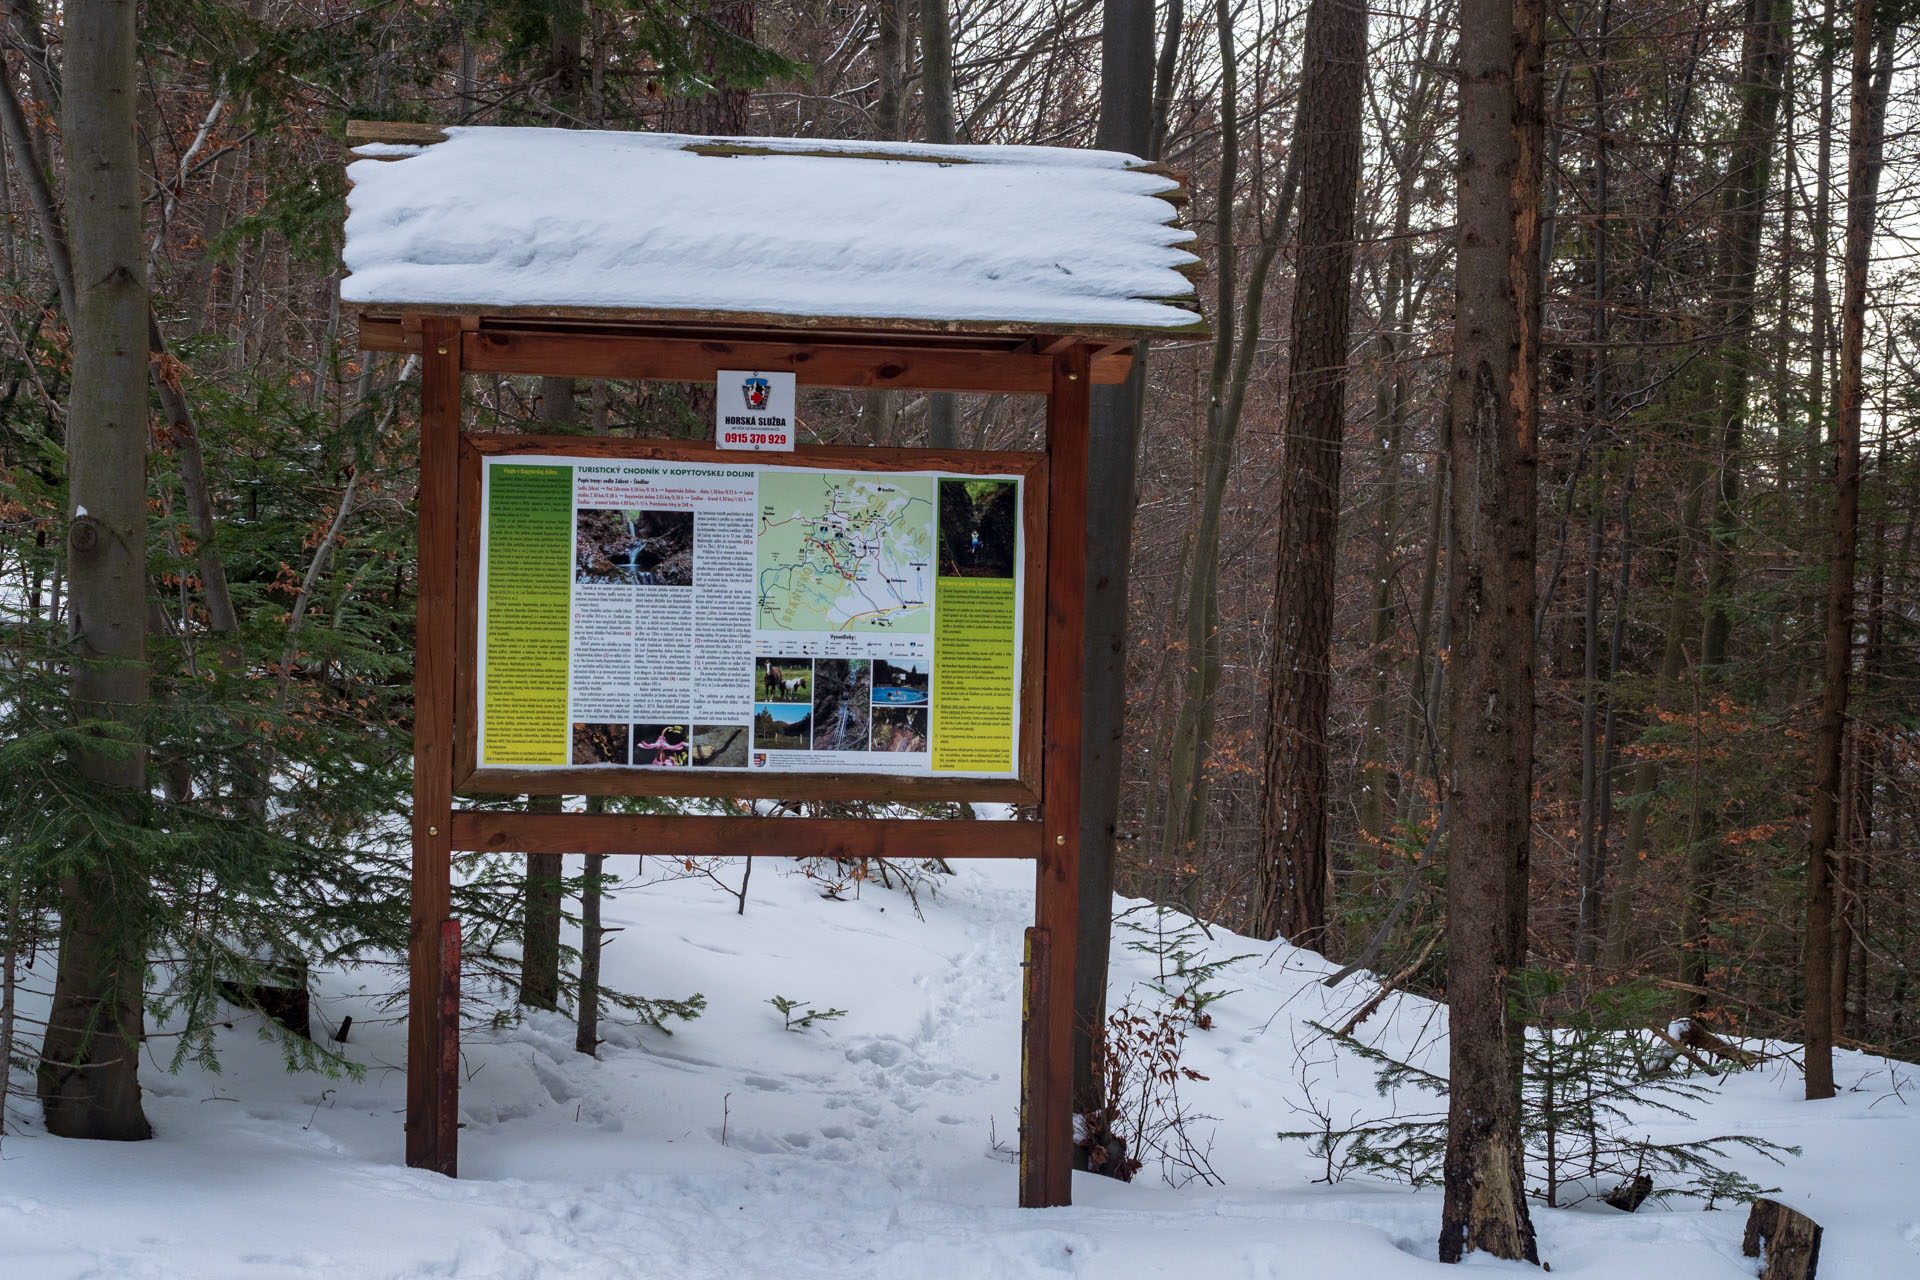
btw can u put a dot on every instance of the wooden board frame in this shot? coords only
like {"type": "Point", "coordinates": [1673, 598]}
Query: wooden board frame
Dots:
{"type": "Point", "coordinates": [445, 642]}
{"type": "Point", "coordinates": [470, 776]}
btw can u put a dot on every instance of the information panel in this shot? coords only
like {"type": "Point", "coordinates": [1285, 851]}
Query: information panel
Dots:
{"type": "Point", "coordinates": [657, 614]}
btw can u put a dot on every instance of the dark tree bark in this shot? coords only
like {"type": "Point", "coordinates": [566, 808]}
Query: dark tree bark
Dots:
{"type": "Point", "coordinates": [1821, 233]}
{"type": "Point", "coordinates": [540, 920]}
{"type": "Point", "coordinates": [1183, 830]}
{"type": "Point", "coordinates": [1744, 198]}
{"type": "Point", "coordinates": [546, 872]}
{"type": "Point", "coordinates": [1591, 859]}
{"type": "Point", "coordinates": [1126, 124]}
{"type": "Point", "coordinates": [1866, 130]}
{"type": "Point", "coordinates": [89, 1083]}
{"type": "Point", "coordinates": [28, 165]}
{"type": "Point", "coordinates": [586, 1036]}
{"type": "Point", "coordinates": [880, 409]}
{"type": "Point", "coordinates": [1490, 713]}
{"type": "Point", "coordinates": [936, 103]}
{"type": "Point", "coordinates": [724, 109]}
{"type": "Point", "coordinates": [1236, 337]}
{"type": "Point", "coordinates": [1682, 602]}
{"type": "Point", "coordinates": [936, 69]}
{"type": "Point", "coordinates": [568, 21]}
{"type": "Point", "coordinates": [890, 57]}
{"type": "Point", "coordinates": [1855, 868]}
{"type": "Point", "coordinates": [1293, 828]}
{"type": "Point", "coordinates": [1408, 148]}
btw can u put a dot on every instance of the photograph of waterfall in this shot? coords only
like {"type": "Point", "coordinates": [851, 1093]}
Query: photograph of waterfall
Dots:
{"type": "Point", "coordinates": [634, 548]}
{"type": "Point", "coordinates": [842, 703]}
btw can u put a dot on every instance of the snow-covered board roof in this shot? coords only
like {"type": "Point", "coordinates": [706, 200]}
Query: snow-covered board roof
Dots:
{"type": "Point", "coordinates": [507, 221]}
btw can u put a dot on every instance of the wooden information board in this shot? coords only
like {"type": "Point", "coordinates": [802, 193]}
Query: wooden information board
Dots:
{"type": "Point", "coordinates": [561, 615]}
{"type": "Point", "coordinates": [658, 618]}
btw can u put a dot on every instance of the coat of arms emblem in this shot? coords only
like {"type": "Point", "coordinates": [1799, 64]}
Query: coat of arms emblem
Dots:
{"type": "Point", "coordinates": [755, 389]}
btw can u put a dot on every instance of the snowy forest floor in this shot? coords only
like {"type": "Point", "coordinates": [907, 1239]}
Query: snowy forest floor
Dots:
{"type": "Point", "coordinates": [877, 1144]}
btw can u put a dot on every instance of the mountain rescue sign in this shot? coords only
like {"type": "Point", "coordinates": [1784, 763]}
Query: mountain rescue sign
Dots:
{"type": "Point", "coordinates": [753, 410]}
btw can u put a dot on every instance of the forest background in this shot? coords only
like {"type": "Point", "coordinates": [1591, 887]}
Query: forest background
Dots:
{"type": "Point", "coordinates": [1283, 713]}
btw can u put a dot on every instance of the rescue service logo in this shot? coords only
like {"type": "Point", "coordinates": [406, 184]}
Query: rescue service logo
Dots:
{"type": "Point", "coordinates": [762, 418]}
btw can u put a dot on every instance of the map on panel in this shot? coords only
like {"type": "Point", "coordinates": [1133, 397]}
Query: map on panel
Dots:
{"type": "Point", "coordinates": [845, 552]}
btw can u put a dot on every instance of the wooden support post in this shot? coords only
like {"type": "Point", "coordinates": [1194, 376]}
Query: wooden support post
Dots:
{"type": "Point", "coordinates": [1047, 1124]}
{"type": "Point", "coordinates": [433, 1036]}
{"type": "Point", "coordinates": [447, 1066]}
{"type": "Point", "coordinates": [1033, 1061]}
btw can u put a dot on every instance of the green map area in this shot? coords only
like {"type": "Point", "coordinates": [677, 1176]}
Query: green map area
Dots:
{"type": "Point", "coordinates": [842, 551]}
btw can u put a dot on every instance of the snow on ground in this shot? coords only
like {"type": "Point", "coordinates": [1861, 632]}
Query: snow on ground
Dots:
{"type": "Point", "coordinates": [877, 1144]}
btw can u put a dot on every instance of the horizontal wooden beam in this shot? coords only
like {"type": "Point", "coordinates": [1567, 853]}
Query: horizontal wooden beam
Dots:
{"type": "Point", "coordinates": [704, 836]}
{"type": "Point", "coordinates": [828, 364]}
{"type": "Point", "coordinates": [756, 784]}
{"type": "Point", "coordinates": [802, 327]}
{"type": "Point", "coordinates": [822, 365]}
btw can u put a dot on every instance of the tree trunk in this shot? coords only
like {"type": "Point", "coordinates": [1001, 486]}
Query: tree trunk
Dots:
{"type": "Point", "coordinates": [1418, 747]}
{"type": "Point", "coordinates": [27, 163]}
{"type": "Point", "coordinates": [546, 872]}
{"type": "Point", "coordinates": [1821, 233]}
{"type": "Point", "coordinates": [567, 24]}
{"type": "Point", "coordinates": [723, 109]}
{"type": "Point", "coordinates": [889, 53]}
{"type": "Point", "coordinates": [586, 1035]}
{"type": "Point", "coordinates": [1850, 933]}
{"type": "Point", "coordinates": [1744, 198]}
{"type": "Point", "coordinates": [936, 103]}
{"type": "Point", "coordinates": [1184, 830]}
{"type": "Point", "coordinates": [1490, 712]}
{"type": "Point", "coordinates": [1113, 456]}
{"type": "Point", "coordinates": [89, 1084]}
{"type": "Point", "coordinates": [1293, 828]}
{"type": "Point", "coordinates": [1409, 154]}
{"type": "Point", "coordinates": [540, 920]}
{"type": "Point", "coordinates": [1866, 128]}
{"type": "Point", "coordinates": [1591, 861]}
{"type": "Point", "coordinates": [1183, 817]}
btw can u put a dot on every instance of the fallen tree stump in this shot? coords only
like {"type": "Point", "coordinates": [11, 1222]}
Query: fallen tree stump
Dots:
{"type": "Point", "coordinates": [1631, 1194]}
{"type": "Point", "coordinates": [1695, 1036]}
{"type": "Point", "coordinates": [281, 995]}
{"type": "Point", "coordinates": [1791, 1238]}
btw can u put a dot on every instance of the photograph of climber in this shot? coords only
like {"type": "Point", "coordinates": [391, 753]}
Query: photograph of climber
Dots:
{"type": "Point", "coordinates": [979, 528]}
